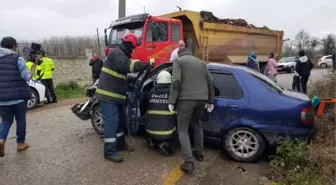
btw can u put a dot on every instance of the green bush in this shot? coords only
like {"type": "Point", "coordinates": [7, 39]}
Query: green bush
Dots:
{"type": "Point", "coordinates": [69, 90]}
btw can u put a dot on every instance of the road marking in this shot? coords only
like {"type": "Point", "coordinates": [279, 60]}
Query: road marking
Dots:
{"type": "Point", "coordinates": [173, 176]}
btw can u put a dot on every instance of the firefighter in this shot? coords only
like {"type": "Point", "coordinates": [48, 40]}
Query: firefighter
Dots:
{"type": "Point", "coordinates": [111, 93]}
{"type": "Point", "coordinates": [48, 67]}
{"type": "Point", "coordinates": [160, 123]}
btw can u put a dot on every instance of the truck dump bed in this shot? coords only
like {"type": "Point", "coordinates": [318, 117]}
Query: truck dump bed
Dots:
{"type": "Point", "coordinates": [226, 40]}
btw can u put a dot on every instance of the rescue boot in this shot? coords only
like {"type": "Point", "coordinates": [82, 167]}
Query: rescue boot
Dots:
{"type": "Point", "coordinates": [114, 158]}
{"type": "Point", "coordinates": [22, 146]}
{"type": "Point", "coordinates": [2, 148]}
{"type": "Point", "coordinates": [198, 156]}
{"type": "Point", "coordinates": [166, 149]}
{"type": "Point", "coordinates": [187, 166]}
{"type": "Point", "coordinates": [151, 144]}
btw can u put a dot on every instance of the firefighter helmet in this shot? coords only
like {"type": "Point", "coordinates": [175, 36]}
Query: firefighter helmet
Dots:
{"type": "Point", "coordinates": [132, 38]}
{"type": "Point", "coordinates": [164, 77]}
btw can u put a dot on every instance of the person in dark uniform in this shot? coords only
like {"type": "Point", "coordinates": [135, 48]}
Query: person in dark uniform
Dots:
{"type": "Point", "coordinates": [160, 123]}
{"type": "Point", "coordinates": [111, 93]}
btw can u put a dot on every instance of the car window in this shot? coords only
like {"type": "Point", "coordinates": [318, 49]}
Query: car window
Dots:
{"type": "Point", "coordinates": [265, 80]}
{"type": "Point", "coordinates": [157, 32]}
{"type": "Point", "coordinates": [226, 86]}
{"type": "Point", "coordinates": [328, 57]}
{"type": "Point", "coordinates": [175, 32]}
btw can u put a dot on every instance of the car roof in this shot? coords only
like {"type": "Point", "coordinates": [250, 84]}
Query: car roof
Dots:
{"type": "Point", "coordinates": [224, 67]}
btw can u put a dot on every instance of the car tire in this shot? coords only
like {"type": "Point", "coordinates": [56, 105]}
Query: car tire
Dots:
{"type": "Point", "coordinates": [34, 100]}
{"type": "Point", "coordinates": [97, 120]}
{"type": "Point", "coordinates": [235, 143]}
{"type": "Point", "coordinates": [323, 65]}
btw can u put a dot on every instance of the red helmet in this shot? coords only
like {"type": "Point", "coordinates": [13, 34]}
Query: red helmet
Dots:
{"type": "Point", "coordinates": [132, 38]}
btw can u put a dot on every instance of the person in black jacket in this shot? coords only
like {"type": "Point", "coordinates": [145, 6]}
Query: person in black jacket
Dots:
{"type": "Point", "coordinates": [111, 93]}
{"type": "Point", "coordinates": [160, 123]}
{"type": "Point", "coordinates": [303, 67]}
{"type": "Point", "coordinates": [97, 65]}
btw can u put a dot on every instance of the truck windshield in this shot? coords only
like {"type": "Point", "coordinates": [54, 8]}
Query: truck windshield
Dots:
{"type": "Point", "coordinates": [118, 32]}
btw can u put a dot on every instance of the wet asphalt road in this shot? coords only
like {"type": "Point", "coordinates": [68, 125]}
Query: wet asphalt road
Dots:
{"type": "Point", "coordinates": [66, 150]}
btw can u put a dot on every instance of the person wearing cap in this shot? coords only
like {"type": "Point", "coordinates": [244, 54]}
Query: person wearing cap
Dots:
{"type": "Point", "coordinates": [181, 45]}
{"type": "Point", "coordinates": [14, 93]}
{"type": "Point", "coordinates": [111, 93]}
{"type": "Point", "coordinates": [48, 67]}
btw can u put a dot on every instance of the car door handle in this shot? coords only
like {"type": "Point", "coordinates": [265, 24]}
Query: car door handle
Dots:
{"type": "Point", "coordinates": [231, 106]}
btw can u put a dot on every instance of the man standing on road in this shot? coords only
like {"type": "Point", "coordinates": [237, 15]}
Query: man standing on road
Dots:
{"type": "Point", "coordinates": [111, 93]}
{"type": "Point", "coordinates": [191, 90]}
{"type": "Point", "coordinates": [97, 65]}
{"type": "Point", "coordinates": [48, 67]}
{"type": "Point", "coordinates": [181, 45]}
{"type": "Point", "coordinates": [333, 57]}
{"type": "Point", "coordinates": [14, 93]}
{"type": "Point", "coordinates": [271, 67]}
{"type": "Point", "coordinates": [303, 67]}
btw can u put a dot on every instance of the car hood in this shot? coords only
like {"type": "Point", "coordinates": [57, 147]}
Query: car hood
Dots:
{"type": "Point", "coordinates": [296, 95]}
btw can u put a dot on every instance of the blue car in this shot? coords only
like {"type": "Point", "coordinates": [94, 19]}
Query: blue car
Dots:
{"type": "Point", "coordinates": [252, 113]}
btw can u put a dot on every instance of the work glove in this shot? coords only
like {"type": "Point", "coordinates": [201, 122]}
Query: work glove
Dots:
{"type": "Point", "coordinates": [209, 107]}
{"type": "Point", "coordinates": [152, 62]}
{"type": "Point", "coordinates": [171, 107]}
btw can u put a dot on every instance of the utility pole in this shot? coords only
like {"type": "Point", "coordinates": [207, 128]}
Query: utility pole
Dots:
{"type": "Point", "coordinates": [99, 52]}
{"type": "Point", "coordinates": [122, 9]}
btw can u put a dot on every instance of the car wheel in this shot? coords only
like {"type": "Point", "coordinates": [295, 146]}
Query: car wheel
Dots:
{"type": "Point", "coordinates": [323, 65]}
{"type": "Point", "coordinates": [244, 144]}
{"type": "Point", "coordinates": [97, 120]}
{"type": "Point", "coordinates": [33, 101]}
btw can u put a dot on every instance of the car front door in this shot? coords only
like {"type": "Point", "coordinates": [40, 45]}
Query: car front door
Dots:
{"type": "Point", "coordinates": [231, 99]}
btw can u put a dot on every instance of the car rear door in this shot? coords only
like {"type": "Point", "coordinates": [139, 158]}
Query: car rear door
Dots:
{"type": "Point", "coordinates": [231, 99]}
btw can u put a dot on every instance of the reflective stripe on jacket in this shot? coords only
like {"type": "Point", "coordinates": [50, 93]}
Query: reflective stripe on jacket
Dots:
{"type": "Point", "coordinates": [160, 123]}
{"type": "Point", "coordinates": [112, 86]}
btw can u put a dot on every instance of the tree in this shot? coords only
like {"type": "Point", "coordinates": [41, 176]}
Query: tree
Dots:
{"type": "Point", "coordinates": [329, 44]}
{"type": "Point", "coordinates": [302, 40]}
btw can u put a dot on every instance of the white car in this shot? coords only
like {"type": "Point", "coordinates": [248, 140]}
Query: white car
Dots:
{"type": "Point", "coordinates": [325, 61]}
{"type": "Point", "coordinates": [38, 94]}
{"type": "Point", "coordinates": [287, 64]}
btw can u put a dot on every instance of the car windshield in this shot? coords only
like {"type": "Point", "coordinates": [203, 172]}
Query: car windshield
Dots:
{"type": "Point", "coordinates": [118, 32]}
{"type": "Point", "coordinates": [265, 80]}
{"type": "Point", "coordinates": [287, 59]}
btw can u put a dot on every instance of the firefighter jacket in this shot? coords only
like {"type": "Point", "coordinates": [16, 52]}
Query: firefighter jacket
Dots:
{"type": "Point", "coordinates": [160, 123]}
{"type": "Point", "coordinates": [112, 85]}
{"type": "Point", "coordinates": [48, 66]}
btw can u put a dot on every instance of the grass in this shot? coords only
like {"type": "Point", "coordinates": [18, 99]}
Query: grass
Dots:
{"type": "Point", "coordinates": [69, 90]}
{"type": "Point", "coordinates": [314, 162]}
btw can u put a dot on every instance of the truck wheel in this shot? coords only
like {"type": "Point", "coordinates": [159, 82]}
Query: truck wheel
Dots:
{"type": "Point", "coordinates": [33, 101]}
{"type": "Point", "coordinates": [97, 120]}
{"type": "Point", "coordinates": [244, 144]}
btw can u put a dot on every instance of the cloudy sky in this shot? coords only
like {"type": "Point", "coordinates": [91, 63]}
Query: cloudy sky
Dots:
{"type": "Point", "coordinates": [36, 19]}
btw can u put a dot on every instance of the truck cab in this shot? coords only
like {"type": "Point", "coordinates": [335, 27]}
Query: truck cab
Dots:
{"type": "Point", "coordinates": [157, 36]}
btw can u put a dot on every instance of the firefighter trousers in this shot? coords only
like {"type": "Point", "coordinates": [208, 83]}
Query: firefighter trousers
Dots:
{"type": "Point", "coordinates": [114, 119]}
